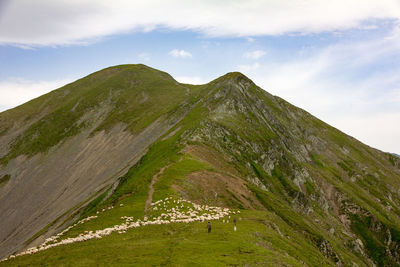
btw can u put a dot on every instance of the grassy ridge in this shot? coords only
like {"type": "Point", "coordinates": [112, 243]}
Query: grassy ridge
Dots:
{"type": "Point", "coordinates": [132, 94]}
{"type": "Point", "coordinates": [318, 189]}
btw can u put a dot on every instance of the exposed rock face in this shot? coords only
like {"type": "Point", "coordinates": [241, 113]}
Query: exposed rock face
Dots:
{"type": "Point", "coordinates": [270, 155]}
{"type": "Point", "coordinates": [319, 167]}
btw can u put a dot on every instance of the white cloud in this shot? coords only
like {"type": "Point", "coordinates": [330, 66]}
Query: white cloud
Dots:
{"type": "Point", "coordinates": [381, 131]}
{"type": "Point", "coordinates": [254, 54]}
{"type": "Point", "coordinates": [250, 39]}
{"type": "Point", "coordinates": [15, 91]}
{"type": "Point", "coordinates": [246, 68]}
{"type": "Point", "coordinates": [190, 79]}
{"type": "Point", "coordinates": [180, 53]}
{"type": "Point", "coordinates": [46, 22]}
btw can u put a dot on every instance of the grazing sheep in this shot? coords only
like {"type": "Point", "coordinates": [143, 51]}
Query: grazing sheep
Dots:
{"type": "Point", "coordinates": [175, 215]}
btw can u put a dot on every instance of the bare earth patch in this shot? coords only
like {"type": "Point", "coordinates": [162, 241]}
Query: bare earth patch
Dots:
{"type": "Point", "coordinates": [216, 188]}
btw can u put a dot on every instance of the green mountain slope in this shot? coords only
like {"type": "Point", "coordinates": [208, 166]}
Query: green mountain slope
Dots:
{"type": "Point", "coordinates": [108, 145]}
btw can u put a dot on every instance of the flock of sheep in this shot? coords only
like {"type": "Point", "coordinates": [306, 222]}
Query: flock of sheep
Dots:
{"type": "Point", "coordinates": [166, 211]}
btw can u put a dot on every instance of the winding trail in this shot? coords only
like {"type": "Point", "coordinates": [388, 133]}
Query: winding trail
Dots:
{"type": "Point", "coordinates": [151, 187]}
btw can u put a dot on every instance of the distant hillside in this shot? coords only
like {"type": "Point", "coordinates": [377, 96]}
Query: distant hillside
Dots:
{"type": "Point", "coordinates": [103, 153]}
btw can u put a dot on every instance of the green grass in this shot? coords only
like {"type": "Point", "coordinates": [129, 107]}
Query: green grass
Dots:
{"type": "Point", "coordinates": [372, 241]}
{"type": "Point", "coordinates": [255, 243]}
{"type": "Point", "coordinates": [347, 167]}
{"type": "Point", "coordinates": [176, 173]}
{"type": "Point", "coordinates": [259, 127]}
{"type": "Point", "coordinates": [132, 94]}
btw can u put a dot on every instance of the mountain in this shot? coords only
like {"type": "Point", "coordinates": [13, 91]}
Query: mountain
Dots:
{"type": "Point", "coordinates": [127, 145]}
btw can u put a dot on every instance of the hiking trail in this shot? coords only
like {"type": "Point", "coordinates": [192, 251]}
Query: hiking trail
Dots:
{"type": "Point", "coordinates": [151, 187]}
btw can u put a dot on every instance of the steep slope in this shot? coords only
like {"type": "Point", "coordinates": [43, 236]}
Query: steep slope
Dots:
{"type": "Point", "coordinates": [308, 193]}
{"type": "Point", "coordinates": [65, 146]}
{"type": "Point", "coordinates": [346, 189]}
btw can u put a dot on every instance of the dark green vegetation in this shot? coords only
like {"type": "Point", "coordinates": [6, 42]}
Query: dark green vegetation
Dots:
{"type": "Point", "coordinates": [4, 179]}
{"type": "Point", "coordinates": [309, 194]}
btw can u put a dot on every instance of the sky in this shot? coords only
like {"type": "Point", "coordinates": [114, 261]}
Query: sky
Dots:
{"type": "Point", "coordinates": [338, 60]}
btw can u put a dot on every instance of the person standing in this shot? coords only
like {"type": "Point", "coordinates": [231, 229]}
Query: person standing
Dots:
{"type": "Point", "coordinates": [209, 227]}
{"type": "Point", "coordinates": [234, 224]}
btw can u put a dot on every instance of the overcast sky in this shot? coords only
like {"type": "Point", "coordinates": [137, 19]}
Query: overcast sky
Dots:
{"type": "Point", "coordinates": [339, 60]}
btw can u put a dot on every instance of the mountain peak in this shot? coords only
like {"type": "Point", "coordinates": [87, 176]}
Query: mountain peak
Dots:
{"type": "Point", "coordinates": [138, 69]}
{"type": "Point", "coordinates": [235, 76]}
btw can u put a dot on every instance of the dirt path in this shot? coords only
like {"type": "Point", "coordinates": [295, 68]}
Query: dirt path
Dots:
{"type": "Point", "coordinates": [151, 187]}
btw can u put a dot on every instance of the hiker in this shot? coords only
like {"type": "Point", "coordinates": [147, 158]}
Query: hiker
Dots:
{"type": "Point", "coordinates": [234, 224]}
{"type": "Point", "coordinates": [209, 227]}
